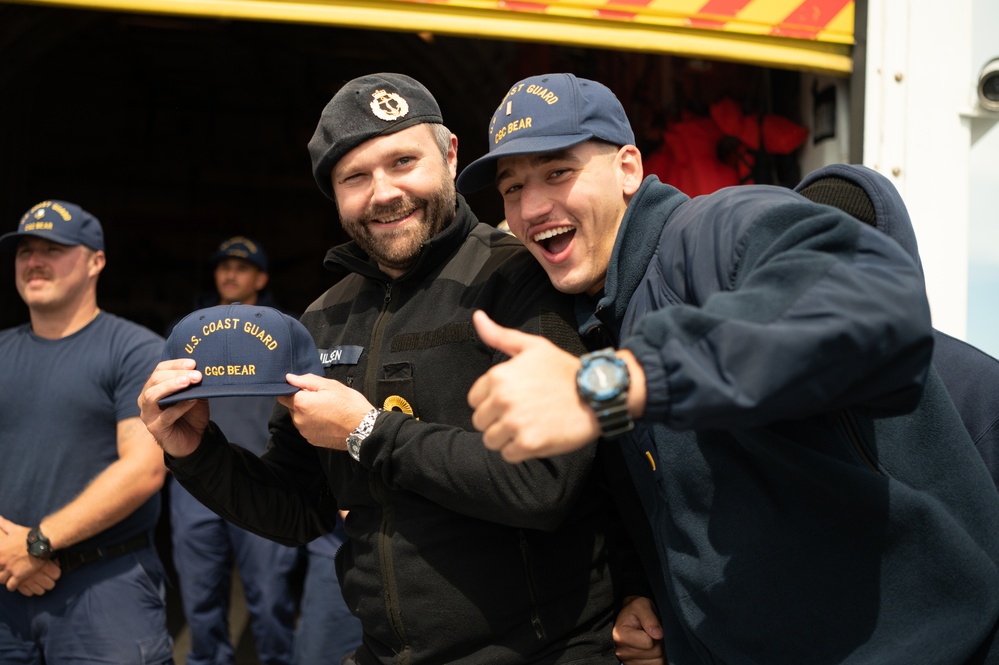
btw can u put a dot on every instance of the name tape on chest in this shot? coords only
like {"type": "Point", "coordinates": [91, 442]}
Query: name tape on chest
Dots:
{"type": "Point", "coordinates": [340, 355]}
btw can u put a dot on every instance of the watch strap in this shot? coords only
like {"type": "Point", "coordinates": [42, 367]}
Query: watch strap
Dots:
{"type": "Point", "coordinates": [38, 545]}
{"type": "Point", "coordinates": [614, 417]}
{"type": "Point", "coordinates": [360, 433]}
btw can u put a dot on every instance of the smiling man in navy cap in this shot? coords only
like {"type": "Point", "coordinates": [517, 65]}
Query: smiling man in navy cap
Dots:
{"type": "Point", "coordinates": [764, 363]}
{"type": "Point", "coordinates": [453, 555]}
{"type": "Point", "coordinates": [80, 478]}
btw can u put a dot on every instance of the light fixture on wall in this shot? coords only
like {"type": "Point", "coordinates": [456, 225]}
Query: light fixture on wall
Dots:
{"type": "Point", "coordinates": [988, 85]}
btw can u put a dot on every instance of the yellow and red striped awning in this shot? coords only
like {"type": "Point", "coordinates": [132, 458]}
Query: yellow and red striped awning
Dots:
{"type": "Point", "coordinates": [814, 35]}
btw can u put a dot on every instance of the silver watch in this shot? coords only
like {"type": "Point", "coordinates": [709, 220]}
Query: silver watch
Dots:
{"type": "Point", "coordinates": [363, 431]}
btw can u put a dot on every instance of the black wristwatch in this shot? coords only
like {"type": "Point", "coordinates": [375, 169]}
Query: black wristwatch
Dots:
{"type": "Point", "coordinates": [38, 545]}
{"type": "Point", "coordinates": [602, 382]}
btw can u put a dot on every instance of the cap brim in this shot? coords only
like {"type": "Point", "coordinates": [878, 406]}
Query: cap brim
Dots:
{"type": "Point", "coordinates": [482, 172]}
{"type": "Point", "coordinates": [216, 259]}
{"type": "Point", "coordinates": [7, 239]}
{"type": "Point", "coordinates": [205, 392]}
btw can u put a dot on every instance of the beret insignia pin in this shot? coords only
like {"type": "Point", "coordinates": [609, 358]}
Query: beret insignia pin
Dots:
{"type": "Point", "coordinates": [388, 105]}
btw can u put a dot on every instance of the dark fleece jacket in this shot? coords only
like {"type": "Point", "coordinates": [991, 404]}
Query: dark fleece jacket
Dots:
{"type": "Point", "coordinates": [813, 493]}
{"type": "Point", "coordinates": [970, 375]}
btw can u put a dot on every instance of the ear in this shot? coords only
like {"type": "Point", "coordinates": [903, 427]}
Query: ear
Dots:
{"type": "Point", "coordinates": [452, 157]}
{"type": "Point", "coordinates": [97, 262]}
{"type": "Point", "coordinates": [260, 281]}
{"type": "Point", "coordinates": [629, 161]}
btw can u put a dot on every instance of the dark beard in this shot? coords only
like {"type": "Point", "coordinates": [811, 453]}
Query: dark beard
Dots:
{"type": "Point", "coordinates": [404, 245]}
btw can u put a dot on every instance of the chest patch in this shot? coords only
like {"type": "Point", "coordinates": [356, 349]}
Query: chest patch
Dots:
{"type": "Point", "coordinates": [340, 355]}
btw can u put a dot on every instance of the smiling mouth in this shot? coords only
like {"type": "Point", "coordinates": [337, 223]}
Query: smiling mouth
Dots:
{"type": "Point", "coordinates": [398, 217]}
{"type": "Point", "coordinates": [555, 240]}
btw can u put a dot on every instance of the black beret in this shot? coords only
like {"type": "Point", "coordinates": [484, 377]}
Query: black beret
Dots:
{"type": "Point", "coordinates": [368, 106]}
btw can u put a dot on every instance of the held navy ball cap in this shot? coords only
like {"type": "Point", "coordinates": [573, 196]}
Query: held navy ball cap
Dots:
{"type": "Point", "coordinates": [240, 247]}
{"type": "Point", "coordinates": [59, 221]}
{"type": "Point", "coordinates": [545, 114]}
{"type": "Point", "coordinates": [368, 106]}
{"type": "Point", "coordinates": [241, 350]}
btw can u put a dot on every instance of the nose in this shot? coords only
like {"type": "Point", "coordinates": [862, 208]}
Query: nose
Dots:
{"type": "Point", "coordinates": [533, 206]}
{"type": "Point", "coordinates": [384, 188]}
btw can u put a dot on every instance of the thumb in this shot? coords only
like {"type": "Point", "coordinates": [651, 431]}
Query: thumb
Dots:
{"type": "Point", "coordinates": [309, 382]}
{"type": "Point", "coordinates": [508, 340]}
{"type": "Point", "coordinates": [652, 627]}
{"type": "Point", "coordinates": [5, 524]}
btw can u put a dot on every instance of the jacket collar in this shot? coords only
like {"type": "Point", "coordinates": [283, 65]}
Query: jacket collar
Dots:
{"type": "Point", "coordinates": [636, 244]}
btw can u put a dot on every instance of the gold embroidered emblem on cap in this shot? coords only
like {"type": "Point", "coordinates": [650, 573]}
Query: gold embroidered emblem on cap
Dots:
{"type": "Point", "coordinates": [388, 105]}
{"type": "Point", "coordinates": [511, 127]}
{"type": "Point", "coordinates": [38, 211]}
{"type": "Point", "coordinates": [545, 94]}
{"type": "Point", "coordinates": [249, 328]}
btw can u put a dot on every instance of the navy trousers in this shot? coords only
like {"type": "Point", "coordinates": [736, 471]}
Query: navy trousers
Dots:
{"type": "Point", "coordinates": [205, 548]}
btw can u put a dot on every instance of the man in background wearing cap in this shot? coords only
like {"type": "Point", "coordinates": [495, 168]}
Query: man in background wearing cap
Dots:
{"type": "Point", "coordinates": [759, 343]}
{"type": "Point", "coordinates": [205, 546]}
{"type": "Point", "coordinates": [80, 479]}
{"type": "Point", "coordinates": [452, 555]}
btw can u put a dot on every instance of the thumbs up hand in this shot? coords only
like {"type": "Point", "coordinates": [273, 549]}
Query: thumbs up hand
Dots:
{"type": "Point", "coordinates": [528, 407]}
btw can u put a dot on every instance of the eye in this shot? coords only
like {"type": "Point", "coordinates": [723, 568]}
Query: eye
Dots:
{"type": "Point", "coordinates": [555, 174]}
{"type": "Point", "coordinates": [507, 190]}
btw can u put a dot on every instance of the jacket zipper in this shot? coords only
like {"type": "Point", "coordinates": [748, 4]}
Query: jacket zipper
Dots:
{"type": "Point", "coordinates": [855, 442]}
{"type": "Point", "coordinates": [532, 589]}
{"type": "Point", "coordinates": [389, 591]}
{"type": "Point", "coordinates": [375, 345]}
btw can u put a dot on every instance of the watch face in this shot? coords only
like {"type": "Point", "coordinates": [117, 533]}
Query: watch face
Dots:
{"type": "Point", "coordinates": [38, 547]}
{"type": "Point", "coordinates": [603, 379]}
{"type": "Point", "coordinates": [354, 446]}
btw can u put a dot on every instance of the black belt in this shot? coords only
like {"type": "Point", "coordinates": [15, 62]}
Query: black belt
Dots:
{"type": "Point", "coordinates": [73, 559]}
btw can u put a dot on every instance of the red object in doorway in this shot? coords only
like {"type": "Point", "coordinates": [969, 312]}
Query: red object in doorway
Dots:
{"type": "Point", "coordinates": [700, 155]}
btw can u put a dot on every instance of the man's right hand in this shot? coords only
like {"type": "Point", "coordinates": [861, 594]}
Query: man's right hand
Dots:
{"type": "Point", "coordinates": [19, 571]}
{"type": "Point", "coordinates": [42, 581]}
{"type": "Point", "coordinates": [177, 428]}
{"type": "Point", "coordinates": [528, 406]}
{"type": "Point", "coordinates": [638, 633]}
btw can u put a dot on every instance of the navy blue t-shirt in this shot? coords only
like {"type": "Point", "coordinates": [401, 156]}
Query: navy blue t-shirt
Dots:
{"type": "Point", "coordinates": [60, 404]}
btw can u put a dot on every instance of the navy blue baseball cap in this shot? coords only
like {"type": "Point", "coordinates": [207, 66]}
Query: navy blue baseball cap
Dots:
{"type": "Point", "coordinates": [366, 107]}
{"type": "Point", "coordinates": [241, 350]}
{"type": "Point", "coordinates": [240, 247]}
{"type": "Point", "coordinates": [544, 114]}
{"type": "Point", "coordinates": [59, 221]}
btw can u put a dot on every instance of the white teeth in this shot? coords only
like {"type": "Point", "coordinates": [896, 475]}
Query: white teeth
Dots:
{"type": "Point", "coordinates": [551, 233]}
{"type": "Point", "coordinates": [395, 219]}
